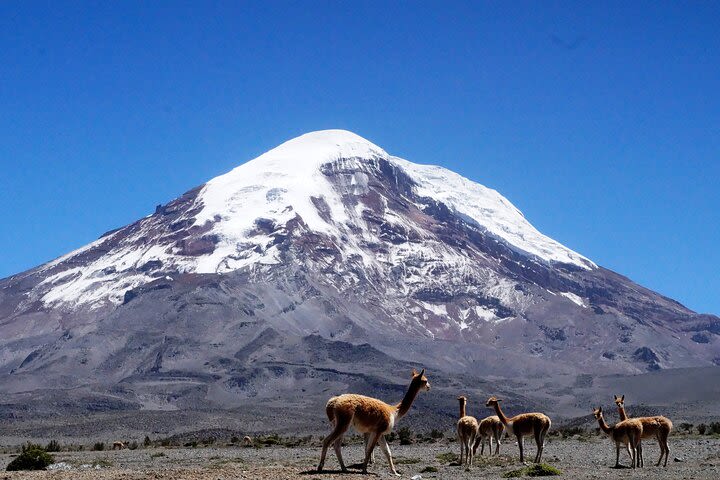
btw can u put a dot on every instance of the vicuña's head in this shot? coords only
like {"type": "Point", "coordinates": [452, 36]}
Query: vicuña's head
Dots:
{"type": "Point", "coordinates": [462, 399]}
{"type": "Point", "coordinates": [492, 401]}
{"type": "Point", "coordinates": [620, 401]}
{"type": "Point", "coordinates": [420, 380]}
{"type": "Point", "coordinates": [597, 413]}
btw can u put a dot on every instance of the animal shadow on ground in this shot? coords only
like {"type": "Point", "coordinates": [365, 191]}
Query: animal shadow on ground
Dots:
{"type": "Point", "coordinates": [357, 467]}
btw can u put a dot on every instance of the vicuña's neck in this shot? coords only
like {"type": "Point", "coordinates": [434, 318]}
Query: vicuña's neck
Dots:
{"type": "Point", "coordinates": [604, 426]}
{"type": "Point", "coordinates": [621, 411]}
{"type": "Point", "coordinates": [500, 414]}
{"type": "Point", "coordinates": [462, 409]}
{"type": "Point", "coordinates": [404, 406]}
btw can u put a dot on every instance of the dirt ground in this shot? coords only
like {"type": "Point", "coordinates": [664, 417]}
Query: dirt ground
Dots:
{"type": "Point", "coordinates": [576, 457]}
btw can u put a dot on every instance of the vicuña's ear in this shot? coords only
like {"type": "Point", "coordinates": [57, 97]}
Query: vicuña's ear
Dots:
{"type": "Point", "coordinates": [414, 372]}
{"type": "Point", "coordinates": [623, 398]}
{"type": "Point", "coordinates": [599, 409]}
{"type": "Point", "coordinates": [423, 372]}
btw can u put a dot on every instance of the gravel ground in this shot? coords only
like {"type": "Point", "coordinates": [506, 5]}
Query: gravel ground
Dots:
{"type": "Point", "coordinates": [577, 458]}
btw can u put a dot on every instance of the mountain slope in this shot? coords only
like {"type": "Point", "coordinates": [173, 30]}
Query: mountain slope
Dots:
{"type": "Point", "coordinates": [328, 243]}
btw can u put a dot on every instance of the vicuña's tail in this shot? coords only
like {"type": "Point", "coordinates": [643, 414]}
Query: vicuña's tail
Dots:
{"type": "Point", "coordinates": [330, 409]}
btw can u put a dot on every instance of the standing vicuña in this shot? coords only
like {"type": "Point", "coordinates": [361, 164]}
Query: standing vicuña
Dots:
{"type": "Point", "coordinates": [467, 428]}
{"type": "Point", "coordinates": [628, 433]}
{"type": "Point", "coordinates": [524, 425]}
{"type": "Point", "coordinates": [658, 427]}
{"type": "Point", "coordinates": [490, 428]}
{"type": "Point", "coordinates": [368, 415]}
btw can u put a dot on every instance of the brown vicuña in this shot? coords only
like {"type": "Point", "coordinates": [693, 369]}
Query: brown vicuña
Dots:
{"type": "Point", "coordinates": [368, 415]}
{"type": "Point", "coordinates": [657, 426]}
{"type": "Point", "coordinates": [628, 433]}
{"type": "Point", "coordinates": [524, 425]}
{"type": "Point", "coordinates": [489, 429]}
{"type": "Point", "coordinates": [467, 429]}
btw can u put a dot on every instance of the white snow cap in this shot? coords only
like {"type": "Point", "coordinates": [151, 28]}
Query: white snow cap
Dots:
{"type": "Point", "coordinates": [280, 183]}
{"type": "Point", "coordinates": [279, 186]}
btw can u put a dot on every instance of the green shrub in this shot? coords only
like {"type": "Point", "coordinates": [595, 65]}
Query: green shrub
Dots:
{"type": "Point", "coordinates": [99, 446]}
{"type": "Point", "coordinates": [448, 457]}
{"type": "Point", "coordinates": [52, 446]}
{"type": "Point", "coordinates": [686, 427]}
{"type": "Point", "coordinates": [714, 428]}
{"type": "Point", "coordinates": [702, 428]}
{"type": "Point", "coordinates": [542, 470]}
{"type": "Point", "coordinates": [405, 436]}
{"type": "Point", "coordinates": [429, 469]}
{"type": "Point", "coordinates": [537, 470]}
{"type": "Point", "coordinates": [514, 473]}
{"type": "Point", "coordinates": [133, 445]}
{"type": "Point", "coordinates": [33, 457]}
{"type": "Point", "coordinates": [147, 441]}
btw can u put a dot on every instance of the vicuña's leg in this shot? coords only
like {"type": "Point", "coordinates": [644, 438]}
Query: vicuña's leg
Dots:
{"type": "Point", "coordinates": [667, 447]}
{"type": "Point", "coordinates": [520, 445]}
{"type": "Point", "coordinates": [640, 461]}
{"type": "Point", "coordinates": [662, 443]}
{"type": "Point", "coordinates": [538, 443]}
{"type": "Point", "coordinates": [370, 447]}
{"type": "Point", "coordinates": [341, 426]}
{"type": "Point", "coordinates": [337, 444]}
{"type": "Point", "coordinates": [498, 436]}
{"type": "Point", "coordinates": [461, 441]}
{"type": "Point", "coordinates": [386, 450]}
{"type": "Point", "coordinates": [468, 452]}
{"type": "Point", "coordinates": [367, 439]}
{"type": "Point", "coordinates": [617, 456]}
{"type": "Point", "coordinates": [542, 444]}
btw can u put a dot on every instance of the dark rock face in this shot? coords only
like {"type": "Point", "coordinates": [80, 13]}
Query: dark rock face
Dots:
{"type": "Point", "coordinates": [430, 288]}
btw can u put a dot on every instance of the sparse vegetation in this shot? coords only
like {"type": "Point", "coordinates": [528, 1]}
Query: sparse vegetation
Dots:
{"type": "Point", "coordinates": [32, 457]}
{"type": "Point", "coordinates": [537, 470]}
{"type": "Point", "coordinates": [99, 446]}
{"type": "Point", "coordinates": [147, 442]}
{"type": "Point", "coordinates": [568, 432]}
{"type": "Point", "coordinates": [405, 436]}
{"type": "Point", "coordinates": [448, 457]}
{"type": "Point", "coordinates": [104, 463]}
{"type": "Point", "coordinates": [52, 446]}
{"type": "Point", "coordinates": [429, 469]}
{"type": "Point", "coordinates": [702, 428]}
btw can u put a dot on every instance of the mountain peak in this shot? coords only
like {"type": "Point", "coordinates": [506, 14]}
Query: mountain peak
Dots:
{"type": "Point", "coordinates": [315, 148]}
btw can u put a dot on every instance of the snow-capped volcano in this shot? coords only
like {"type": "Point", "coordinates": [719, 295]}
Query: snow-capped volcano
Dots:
{"type": "Point", "coordinates": [320, 255]}
{"type": "Point", "coordinates": [294, 181]}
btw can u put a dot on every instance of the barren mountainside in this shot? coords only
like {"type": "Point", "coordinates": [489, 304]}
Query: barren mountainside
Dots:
{"type": "Point", "coordinates": [324, 265]}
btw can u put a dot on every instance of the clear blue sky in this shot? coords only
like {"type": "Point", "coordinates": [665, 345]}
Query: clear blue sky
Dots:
{"type": "Point", "coordinates": [600, 121]}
